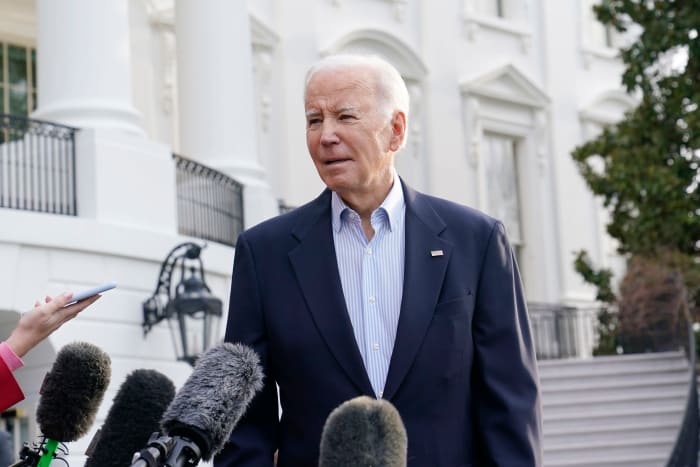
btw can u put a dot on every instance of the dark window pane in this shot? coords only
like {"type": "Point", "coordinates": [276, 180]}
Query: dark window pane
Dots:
{"type": "Point", "coordinates": [34, 99]}
{"type": "Point", "coordinates": [2, 61]}
{"type": "Point", "coordinates": [34, 68]}
{"type": "Point", "coordinates": [17, 64]}
{"type": "Point", "coordinates": [18, 100]}
{"type": "Point", "coordinates": [18, 86]}
{"type": "Point", "coordinates": [499, 9]}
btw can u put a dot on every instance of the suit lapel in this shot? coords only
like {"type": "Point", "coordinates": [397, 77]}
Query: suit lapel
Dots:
{"type": "Point", "coordinates": [423, 278]}
{"type": "Point", "coordinates": [316, 269]}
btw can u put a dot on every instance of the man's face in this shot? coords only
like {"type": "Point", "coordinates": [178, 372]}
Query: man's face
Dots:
{"type": "Point", "coordinates": [350, 139]}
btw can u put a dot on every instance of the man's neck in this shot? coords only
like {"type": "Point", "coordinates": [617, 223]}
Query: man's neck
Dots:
{"type": "Point", "coordinates": [364, 204]}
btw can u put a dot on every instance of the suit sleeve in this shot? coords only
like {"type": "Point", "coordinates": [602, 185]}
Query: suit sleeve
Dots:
{"type": "Point", "coordinates": [254, 439]}
{"type": "Point", "coordinates": [505, 381]}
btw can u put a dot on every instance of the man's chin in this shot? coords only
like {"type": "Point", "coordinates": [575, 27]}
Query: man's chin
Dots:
{"type": "Point", "coordinates": [335, 183]}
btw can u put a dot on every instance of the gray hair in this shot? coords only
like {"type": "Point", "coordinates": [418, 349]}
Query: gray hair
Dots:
{"type": "Point", "coordinates": [390, 86]}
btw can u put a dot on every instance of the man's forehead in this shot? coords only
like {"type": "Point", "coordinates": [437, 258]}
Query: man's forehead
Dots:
{"type": "Point", "coordinates": [315, 105]}
{"type": "Point", "coordinates": [342, 96]}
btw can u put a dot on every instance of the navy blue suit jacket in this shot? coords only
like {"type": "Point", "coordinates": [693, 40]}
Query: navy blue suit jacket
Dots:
{"type": "Point", "coordinates": [462, 373]}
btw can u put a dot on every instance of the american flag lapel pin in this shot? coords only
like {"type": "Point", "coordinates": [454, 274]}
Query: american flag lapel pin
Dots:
{"type": "Point", "coordinates": [436, 253]}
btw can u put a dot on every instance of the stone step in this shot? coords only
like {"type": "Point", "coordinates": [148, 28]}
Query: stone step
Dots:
{"type": "Point", "coordinates": [670, 397]}
{"type": "Point", "coordinates": [616, 411]}
{"type": "Point", "coordinates": [656, 446]}
{"type": "Point", "coordinates": [595, 433]}
{"type": "Point", "coordinates": [655, 460]}
{"type": "Point", "coordinates": [610, 369]}
{"type": "Point", "coordinates": [606, 412]}
{"type": "Point", "coordinates": [621, 360]}
{"type": "Point", "coordinates": [574, 389]}
{"type": "Point", "coordinates": [614, 377]}
{"type": "Point", "coordinates": [641, 415]}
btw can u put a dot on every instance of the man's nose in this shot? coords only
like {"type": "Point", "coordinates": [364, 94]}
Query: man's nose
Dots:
{"type": "Point", "coordinates": [328, 133]}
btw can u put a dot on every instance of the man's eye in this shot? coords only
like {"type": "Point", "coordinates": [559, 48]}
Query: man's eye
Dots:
{"type": "Point", "coordinates": [347, 117]}
{"type": "Point", "coordinates": [314, 121]}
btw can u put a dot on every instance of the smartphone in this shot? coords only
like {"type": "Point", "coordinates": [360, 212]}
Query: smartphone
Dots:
{"type": "Point", "coordinates": [90, 292]}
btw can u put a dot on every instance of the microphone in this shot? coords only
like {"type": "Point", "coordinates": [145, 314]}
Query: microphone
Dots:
{"type": "Point", "coordinates": [204, 412]}
{"type": "Point", "coordinates": [135, 414]}
{"type": "Point", "coordinates": [69, 398]}
{"type": "Point", "coordinates": [363, 432]}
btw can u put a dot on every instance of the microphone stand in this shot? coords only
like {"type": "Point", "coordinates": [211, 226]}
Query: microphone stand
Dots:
{"type": "Point", "coordinates": [168, 451]}
{"type": "Point", "coordinates": [28, 457]}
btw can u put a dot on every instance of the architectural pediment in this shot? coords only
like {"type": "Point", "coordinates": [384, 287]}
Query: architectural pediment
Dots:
{"type": "Point", "coordinates": [509, 84]}
{"type": "Point", "coordinates": [608, 107]}
{"type": "Point", "coordinates": [261, 34]}
{"type": "Point", "coordinates": [384, 44]}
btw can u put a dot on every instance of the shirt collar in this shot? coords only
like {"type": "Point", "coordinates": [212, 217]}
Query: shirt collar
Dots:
{"type": "Point", "coordinates": [393, 205]}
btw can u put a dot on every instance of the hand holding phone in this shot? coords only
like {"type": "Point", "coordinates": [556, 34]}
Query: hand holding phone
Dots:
{"type": "Point", "coordinates": [90, 292]}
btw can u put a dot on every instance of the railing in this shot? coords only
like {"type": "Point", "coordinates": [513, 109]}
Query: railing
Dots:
{"type": "Point", "coordinates": [685, 450]}
{"type": "Point", "coordinates": [562, 331]}
{"type": "Point", "coordinates": [37, 166]}
{"type": "Point", "coordinates": [209, 203]}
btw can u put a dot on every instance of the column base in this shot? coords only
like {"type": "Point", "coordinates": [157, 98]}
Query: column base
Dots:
{"type": "Point", "coordinates": [98, 114]}
{"type": "Point", "coordinates": [125, 179]}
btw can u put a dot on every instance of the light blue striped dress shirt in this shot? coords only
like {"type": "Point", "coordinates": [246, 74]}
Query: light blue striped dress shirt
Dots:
{"type": "Point", "coordinates": [371, 274]}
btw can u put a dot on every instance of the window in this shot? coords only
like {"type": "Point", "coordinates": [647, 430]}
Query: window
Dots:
{"type": "Point", "coordinates": [492, 8]}
{"type": "Point", "coordinates": [502, 17]}
{"type": "Point", "coordinates": [597, 34]}
{"type": "Point", "coordinates": [17, 79]}
{"type": "Point", "coordinates": [501, 171]}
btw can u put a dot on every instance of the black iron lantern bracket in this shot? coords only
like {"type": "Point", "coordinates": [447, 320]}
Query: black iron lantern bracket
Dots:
{"type": "Point", "coordinates": [190, 298]}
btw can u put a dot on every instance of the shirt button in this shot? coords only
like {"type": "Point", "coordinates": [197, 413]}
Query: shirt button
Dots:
{"type": "Point", "coordinates": [369, 252]}
{"type": "Point", "coordinates": [381, 394]}
{"type": "Point", "coordinates": [375, 346]}
{"type": "Point", "coordinates": [372, 299]}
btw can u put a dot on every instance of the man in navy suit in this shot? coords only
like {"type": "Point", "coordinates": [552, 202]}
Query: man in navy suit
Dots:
{"type": "Point", "coordinates": [375, 289]}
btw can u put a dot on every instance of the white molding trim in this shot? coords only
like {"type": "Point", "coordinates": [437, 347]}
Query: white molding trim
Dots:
{"type": "Point", "coordinates": [507, 83]}
{"type": "Point", "coordinates": [473, 23]}
{"type": "Point", "coordinates": [399, 9]}
{"type": "Point", "coordinates": [591, 53]}
{"type": "Point", "coordinates": [261, 34]}
{"type": "Point", "coordinates": [400, 54]}
{"type": "Point", "coordinates": [596, 110]}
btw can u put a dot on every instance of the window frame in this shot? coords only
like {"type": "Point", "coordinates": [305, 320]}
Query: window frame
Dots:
{"type": "Point", "coordinates": [30, 70]}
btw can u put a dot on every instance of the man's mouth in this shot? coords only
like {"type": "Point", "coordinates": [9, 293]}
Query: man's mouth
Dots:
{"type": "Point", "coordinates": [335, 161]}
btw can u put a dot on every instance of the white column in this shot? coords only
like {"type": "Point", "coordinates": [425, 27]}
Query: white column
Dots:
{"type": "Point", "coordinates": [84, 64]}
{"type": "Point", "coordinates": [216, 95]}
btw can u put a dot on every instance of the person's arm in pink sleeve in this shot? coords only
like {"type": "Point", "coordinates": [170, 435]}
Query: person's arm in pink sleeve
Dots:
{"type": "Point", "coordinates": [10, 357]}
{"type": "Point", "coordinates": [33, 327]}
{"type": "Point", "coordinates": [10, 392]}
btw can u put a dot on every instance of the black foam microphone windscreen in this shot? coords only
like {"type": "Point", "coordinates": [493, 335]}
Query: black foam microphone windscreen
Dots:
{"type": "Point", "coordinates": [364, 432]}
{"type": "Point", "coordinates": [135, 413]}
{"type": "Point", "coordinates": [214, 397]}
{"type": "Point", "coordinates": [72, 391]}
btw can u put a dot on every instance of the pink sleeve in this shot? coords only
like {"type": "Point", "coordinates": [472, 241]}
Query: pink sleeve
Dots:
{"type": "Point", "coordinates": [10, 357]}
{"type": "Point", "coordinates": [10, 392]}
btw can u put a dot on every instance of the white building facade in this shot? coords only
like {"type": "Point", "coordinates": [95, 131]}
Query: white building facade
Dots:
{"type": "Point", "coordinates": [501, 92]}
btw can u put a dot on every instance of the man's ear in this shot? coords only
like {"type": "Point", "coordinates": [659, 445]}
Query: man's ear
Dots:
{"type": "Point", "coordinates": [398, 130]}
